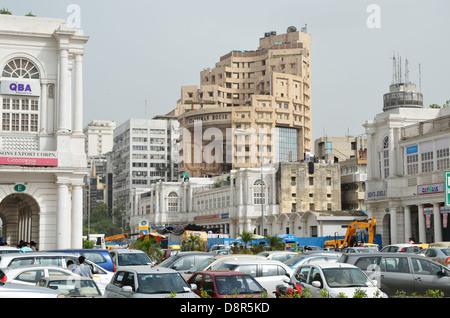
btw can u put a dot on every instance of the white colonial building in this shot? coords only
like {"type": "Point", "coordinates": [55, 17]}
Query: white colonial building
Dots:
{"type": "Point", "coordinates": [408, 152]}
{"type": "Point", "coordinates": [42, 155]}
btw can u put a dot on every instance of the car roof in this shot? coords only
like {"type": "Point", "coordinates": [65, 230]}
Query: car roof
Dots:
{"type": "Point", "coordinates": [52, 278]}
{"type": "Point", "coordinates": [252, 261]}
{"type": "Point", "coordinates": [146, 269]}
{"type": "Point", "coordinates": [325, 265]}
{"type": "Point", "coordinates": [221, 273]}
{"type": "Point", "coordinates": [276, 252]}
{"type": "Point", "coordinates": [126, 250]}
{"type": "Point", "coordinates": [28, 254]}
{"type": "Point", "coordinates": [33, 266]}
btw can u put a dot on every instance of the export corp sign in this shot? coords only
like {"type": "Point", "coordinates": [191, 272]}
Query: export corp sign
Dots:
{"type": "Point", "coordinates": [28, 158]}
{"type": "Point", "coordinates": [430, 188]}
{"type": "Point", "coordinates": [21, 87]}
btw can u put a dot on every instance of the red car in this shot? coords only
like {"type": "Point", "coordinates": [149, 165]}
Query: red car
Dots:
{"type": "Point", "coordinates": [223, 284]}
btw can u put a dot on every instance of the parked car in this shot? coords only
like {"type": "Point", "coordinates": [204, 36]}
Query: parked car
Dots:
{"type": "Point", "coordinates": [359, 250]}
{"type": "Point", "coordinates": [183, 261]}
{"type": "Point", "coordinates": [307, 248]}
{"type": "Point", "coordinates": [129, 257]}
{"type": "Point", "coordinates": [337, 279]}
{"type": "Point", "coordinates": [211, 263]}
{"type": "Point", "coordinates": [168, 252]}
{"type": "Point", "coordinates": [9, 249]}
{"type": "Point", "coordinates": [25, 292]}
{"type": "Point", "coordinates": [100, 257]}
{"type": "Point", "coordinates": [100, 275]}
{"type": "Point", "coordinates": [437, 254]}
{"type": "Point", "coordinates": [402, 272]}
{"type": "Point", "coordinates": [278, 255]}
{"type": "Point", "coordinates": [401, 248]}
{"type": "Point", "coordinates": [268, 273]}
{"type": "Point", "coordinates": [223, 284]}
{"type": "Point", "coordinates": [30, 274]}
{"type": "Point", "coordinates": [148, 282]}
{"type": "Point", "coordinates": [305, 258]}
{"type": "Point", "coordinates": [218, 247]}
{"type": "Point", "coordinates": [76, 286]}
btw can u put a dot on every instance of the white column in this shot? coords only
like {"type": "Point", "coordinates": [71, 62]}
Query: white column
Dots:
{"type": "Point", "coordinates": [77, 216]}
{"type": "Point", "coordinates": [392, 157]}
{"type": "Point", "coordinates": [62, 216]}
{"type": "Point", "coordinates": [437, 223]}
{"type": "Point", "coordinates": [64, 102]}
{"type": "Point", "coordinates": [421, 219]}
{"type": "Point", "coordinates": [78, 95]}
{"type": "Point", "coordinates": [393, 214]}
{"type": "Point", "coordinates": [407, 223]}
{"type": "Point", "coordinates": [43, 107]}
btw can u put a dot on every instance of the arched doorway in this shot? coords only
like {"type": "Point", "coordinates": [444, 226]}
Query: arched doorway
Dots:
{"type": "Point", "coordinates": [20, 218]}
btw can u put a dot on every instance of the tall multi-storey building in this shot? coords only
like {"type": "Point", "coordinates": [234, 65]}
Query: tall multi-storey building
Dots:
{"type": "Point", "coordinates": [99, 137]}
{"type": "Point", "coordinates": [141, 156]}
{"type": "Point", "coordinates": [265, 93]}
{"type": "Point", "coordinates": [42, 158]}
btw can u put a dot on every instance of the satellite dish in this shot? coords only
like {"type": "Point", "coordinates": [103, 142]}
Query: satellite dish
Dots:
{"type": "Point", "coordinates": [291, 29]}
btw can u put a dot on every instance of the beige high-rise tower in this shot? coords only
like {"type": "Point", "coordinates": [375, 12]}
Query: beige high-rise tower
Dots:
{"type": "Point", "coordinates": [250, 94]}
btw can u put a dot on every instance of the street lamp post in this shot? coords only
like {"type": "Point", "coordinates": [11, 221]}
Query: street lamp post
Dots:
{"type": "Point", "coordinates": [260, 135]}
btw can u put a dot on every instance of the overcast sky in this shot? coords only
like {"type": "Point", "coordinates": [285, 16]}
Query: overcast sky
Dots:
{"type": "Point", "coordinates": [144, 50]}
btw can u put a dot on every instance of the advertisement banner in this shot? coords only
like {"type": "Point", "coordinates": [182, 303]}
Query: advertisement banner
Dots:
{"type": "Point", "coordinates": [29, 158]}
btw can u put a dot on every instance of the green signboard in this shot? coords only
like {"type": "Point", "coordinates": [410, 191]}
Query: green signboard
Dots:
{"type": "Point", "coordinates": [447, 188]}
{"type": "Point", "coordinates": [19, 187]}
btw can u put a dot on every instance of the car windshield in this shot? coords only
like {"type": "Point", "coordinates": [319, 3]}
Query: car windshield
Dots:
{"type": "Point", "coordinates": [128, 259]}
{"type": "Point", "coordinates": [294, 260]}
{"type": "Point", "coordinates": [346, 277]}
{"type": "Point", "coordinates": [446, 251]}
{"type": "Point", "coordinates": [237, 284]}
{"type": "Point", "coordinates": [162, 283]}
{"type": "Point", "coordinates": [202, 265]}
{"type": "Point", "coordinates": [75, 288]}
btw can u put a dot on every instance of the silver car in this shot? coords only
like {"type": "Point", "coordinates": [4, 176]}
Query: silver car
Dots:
{"type": "Point", "coordinates": [25, 292]}
{"type": "Point", "coordinates": [268, 273]}
{"type": "Point", "coordinates": [402, 272]}
{"type": "Point", "coordinates": [30, 274]}
{"type": "Point", "coordinates": [148, 282]}
{"type": "Point", "coordinates": [437, 254]}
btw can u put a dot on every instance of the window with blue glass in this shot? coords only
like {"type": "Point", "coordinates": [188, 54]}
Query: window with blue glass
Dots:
{"type": "Point", "coordinates": [286, 144]}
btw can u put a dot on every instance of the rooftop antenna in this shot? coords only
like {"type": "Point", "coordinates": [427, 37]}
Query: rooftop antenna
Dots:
{"type": "Point", "coordinates": [420, 80]}
{"type": "Point", "coordinates": [406, 71]}
{"type": "Point", "coordinates": [394, 69]}
{"type": "Point", "coordinates": [400, 69]}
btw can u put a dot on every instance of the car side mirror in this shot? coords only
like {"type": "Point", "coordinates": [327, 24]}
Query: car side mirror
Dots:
{"type": "Point", "coordinates": [127, 289]}
{"type": "Point", "coordinates": [316, 284]}
{"type": "Point", "coordinates": [194, 286]}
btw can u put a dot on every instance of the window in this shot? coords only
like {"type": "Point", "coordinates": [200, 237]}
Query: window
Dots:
{"type": "Point", "coordinates": [424, 267]}
{"type": "Point", "coordinates": [442, 154]}
{"type": "Point", "coordinates": [30, 276]}
{"type": "Point", "coordinates": [20, 114]}
{"type": "Point", "coordinates": [20, 68]}
{"type": "Point", "coordinates": [427, 161]}
{"type": "Point", "coordinates": [412, 164]}
{"type": "Point", "coordinates": [302, 274]}
{"type": "Point", "coordinates": [386, 157]}
{"type": "Point", "coordinates": [258, 196]}
{"type": "Point", "coordinates": [172, 202]}
{"type": "Point", "coordinates": [395, 264]}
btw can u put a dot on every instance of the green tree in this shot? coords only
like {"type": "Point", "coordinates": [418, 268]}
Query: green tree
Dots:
{"type": "Point", "coordinates": [5, 11]}
{"type": "Point", "coordinates": [150, 247]}
{"type": "Point", "coordinates": [101, 222]}
{"type": "Point", "coordinates": [276, 243]}
{"type": "Point", "coordinates": [246, 237]}
{"type": "Point", "coordinates": [193, 243]}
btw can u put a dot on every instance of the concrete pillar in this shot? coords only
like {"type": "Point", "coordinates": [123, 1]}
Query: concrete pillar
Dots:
{"type": "Point", "coordinates": [63, 216]}
{"type": "Point", "coordinates": [64, 101]}
{"type": "Point", "coordinates": [407, 223]}
{"type": "Point", "coordinates": [393, 215]}
{"type": "Point", "coordinates": [77, 216]}
{"type": "Point", "coordinates": [437, 224]}
{"type": "Point", "coordinates": [43, 107]}
{"type": "Point", "coordinates": [421, 218]}
{"type": "Point", "coordinates": [78, 95]}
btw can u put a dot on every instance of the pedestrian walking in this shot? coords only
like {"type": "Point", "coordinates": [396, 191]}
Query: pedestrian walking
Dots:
{"type": "Point", "coordinates": [83, 269]}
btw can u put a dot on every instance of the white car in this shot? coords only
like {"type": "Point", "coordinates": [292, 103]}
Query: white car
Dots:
{"type": "Point", "coordinates": [30, 274]}
{"type": "Point", "coordinates": [338, 279]}
{"type": "Point", "coordinates": [268, 273]}
{"type": "Point", "coordinates": [401, 248]}
{"type": "Point", "coordinates": [25, 292]}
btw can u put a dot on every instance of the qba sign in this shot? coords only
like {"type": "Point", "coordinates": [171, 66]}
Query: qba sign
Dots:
{"type": "Point", "coordinates": [20, 87]}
